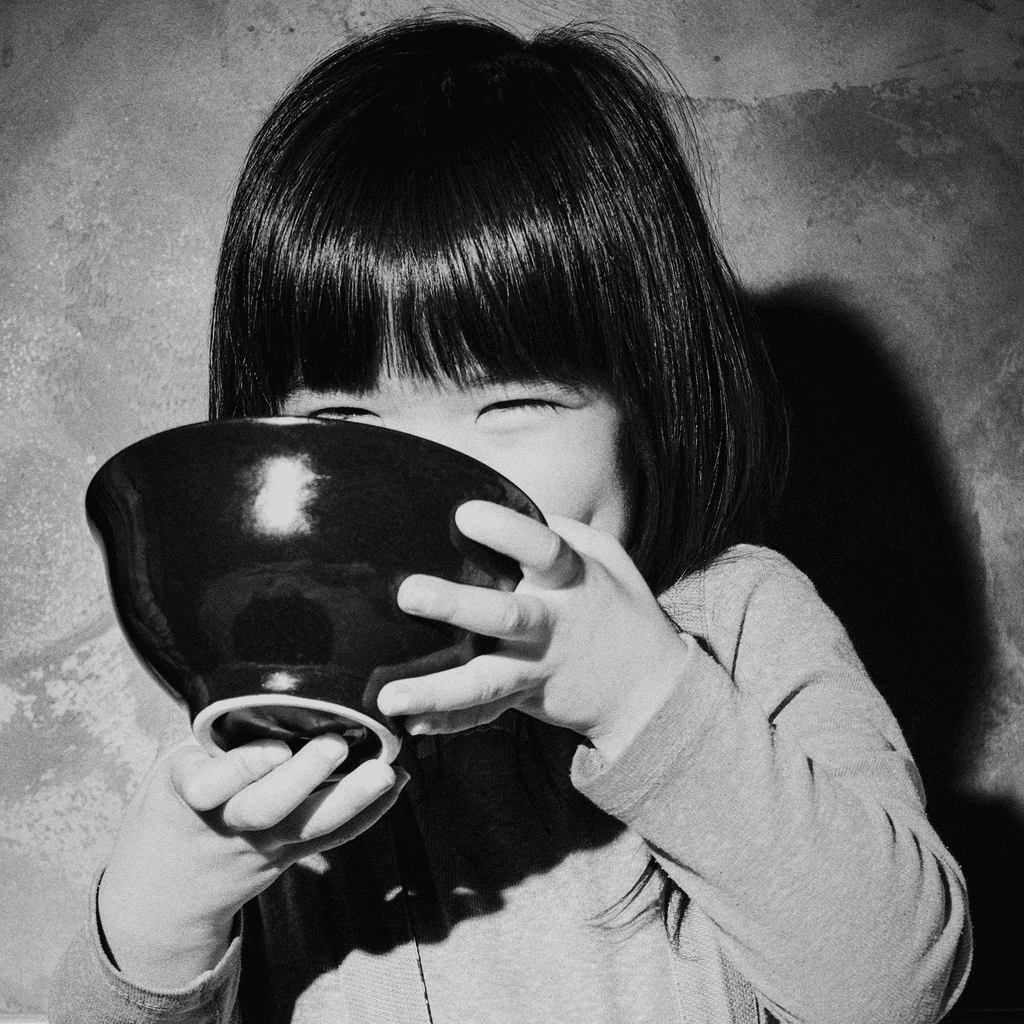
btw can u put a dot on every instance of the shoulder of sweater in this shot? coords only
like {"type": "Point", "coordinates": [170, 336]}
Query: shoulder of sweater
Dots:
{"type": "Point", "coordinates": [753, 564]}
{"type": "Point", "coordinates": [725, 588]}
{"type": "Point", "coordinates": [756, 600]}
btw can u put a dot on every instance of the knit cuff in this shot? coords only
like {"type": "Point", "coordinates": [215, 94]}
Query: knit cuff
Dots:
{"type": "Point", "coordinates": [663, 750]}
{"type": "Point", "coordinates": [208, 999]}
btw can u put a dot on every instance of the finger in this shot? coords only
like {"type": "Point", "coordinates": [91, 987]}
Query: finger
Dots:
{"type": "Point", "coordinates": [336, 805]}
{"type": "Point", "coordinates": [272, 798]}
{"type": "Point", "coordinates": [547, 559]}
{"type": "Point", "coordinates": [205, 781]}
{"type": "Point", "coordinates": [590, 542]}
{"type": "Point", "coordinates": [354, 826]}
{"type": "Point", "coordinates": [494, 613]}
{"type": "Point", "coordinates": [484, 680]}
{"type": "Point", "coordinates": [459, 721]}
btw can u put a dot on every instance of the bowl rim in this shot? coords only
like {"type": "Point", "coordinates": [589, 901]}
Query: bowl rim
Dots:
{"type": "Point", "coordinates": [401, 437]}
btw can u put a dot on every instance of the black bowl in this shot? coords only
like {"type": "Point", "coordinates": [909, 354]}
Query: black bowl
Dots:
{"type": "Point", "coordinates": [254, 565]}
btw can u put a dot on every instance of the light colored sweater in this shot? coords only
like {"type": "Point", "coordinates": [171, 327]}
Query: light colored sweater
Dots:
{"type": "Point", "coordinates": [779, 796]}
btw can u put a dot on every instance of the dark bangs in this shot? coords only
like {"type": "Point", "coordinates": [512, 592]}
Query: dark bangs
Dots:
{"type": "Point", "coordinates": [419, 209]}
{"type": "Point", "coordinates": [445, 199]}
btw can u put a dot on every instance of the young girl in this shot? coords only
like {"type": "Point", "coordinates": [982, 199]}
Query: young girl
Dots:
{"type": "Point", "coordinates": [691, 808]}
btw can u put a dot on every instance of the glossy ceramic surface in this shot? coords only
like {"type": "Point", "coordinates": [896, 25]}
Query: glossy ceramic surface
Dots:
{"type": "Point", "coordinates": [254, 566]}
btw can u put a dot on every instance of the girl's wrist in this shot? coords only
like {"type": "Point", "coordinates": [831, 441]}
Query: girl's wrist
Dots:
{"type": "Point", "coordinates": [657, 680]}
{"type": "Point", "coordinates": [157, 951]}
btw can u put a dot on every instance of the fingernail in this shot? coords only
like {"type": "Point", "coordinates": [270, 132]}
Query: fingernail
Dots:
{"type": "Point", "coordinates": [412, 595]}
{"type": "Point", "coordinates": [392, 704]}
{"type": "Point", "coordinates": [471, 508]}
{"type": "Point", "coordinates": [332, 746]}
{"type": "Point", "coordinates": [385, 776]}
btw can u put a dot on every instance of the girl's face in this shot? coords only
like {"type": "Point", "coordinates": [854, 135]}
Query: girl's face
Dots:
{"type": "Point", "coordinates": [559, 444]}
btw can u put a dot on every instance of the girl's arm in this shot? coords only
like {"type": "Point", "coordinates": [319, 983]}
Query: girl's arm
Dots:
{"type": "Point", "coordinates": [203, 836]}
{"type": "Point", "coordinates": [768, 777]}
{"type": "Point", "coordinates": [88, 988]}
{"type": "Point", "coordinates": [776, 790]}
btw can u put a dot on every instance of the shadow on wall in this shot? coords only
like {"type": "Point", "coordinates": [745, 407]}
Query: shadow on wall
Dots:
{"type": "Point", "coordinates": [872, 515]}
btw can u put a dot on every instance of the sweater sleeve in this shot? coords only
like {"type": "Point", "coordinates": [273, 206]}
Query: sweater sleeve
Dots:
{"type": "Point", "coordinates": [774, 787]}
{"type": "Point", "coordinates": [89, 989]}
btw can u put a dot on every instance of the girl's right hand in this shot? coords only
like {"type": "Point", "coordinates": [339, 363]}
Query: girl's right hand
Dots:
{"type": "Point", "coordinates": [205, 834]}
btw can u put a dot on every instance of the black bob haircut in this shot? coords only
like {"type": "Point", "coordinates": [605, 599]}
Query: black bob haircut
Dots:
{"type": "Point", "coordinates": [445, 199]}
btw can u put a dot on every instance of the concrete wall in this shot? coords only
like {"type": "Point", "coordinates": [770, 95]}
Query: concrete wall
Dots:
{"type": "Point", "coordinates": [869, 169]}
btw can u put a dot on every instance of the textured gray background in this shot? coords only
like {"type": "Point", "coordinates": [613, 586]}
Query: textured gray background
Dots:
{"type": "Point", "coordinates": [869, 184]}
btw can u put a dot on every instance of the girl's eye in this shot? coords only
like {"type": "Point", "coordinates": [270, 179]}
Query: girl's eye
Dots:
{"type": "Point", "coordinates": [521, 405]}
{"type": "Point", "coordinates": [341, 413]}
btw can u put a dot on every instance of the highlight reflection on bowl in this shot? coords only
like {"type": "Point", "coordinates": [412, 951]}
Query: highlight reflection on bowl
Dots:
{"type": "Point", "coordinates": [254, 566]}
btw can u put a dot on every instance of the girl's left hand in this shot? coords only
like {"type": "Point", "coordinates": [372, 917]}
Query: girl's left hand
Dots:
{"type": "Point", "coordinates": [583, 643]}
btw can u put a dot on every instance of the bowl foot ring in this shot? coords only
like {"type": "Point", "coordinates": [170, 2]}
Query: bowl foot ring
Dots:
{"type": "Point", "coordinates": [229, 723]}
